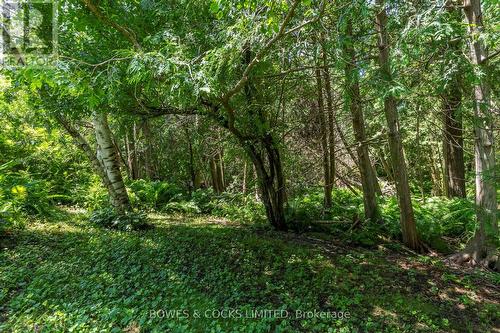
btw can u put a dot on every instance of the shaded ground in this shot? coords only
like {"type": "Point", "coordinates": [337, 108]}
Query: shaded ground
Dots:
{"type": "Point", "coordinates": [68, 276]}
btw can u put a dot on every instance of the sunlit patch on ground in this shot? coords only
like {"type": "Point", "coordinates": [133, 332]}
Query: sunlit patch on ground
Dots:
{"type": "Point", "coordinates": [69, 275]}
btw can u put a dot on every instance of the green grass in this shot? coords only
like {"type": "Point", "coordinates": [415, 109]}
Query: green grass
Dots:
{"type": "Point", "coordinates": [68, 276]}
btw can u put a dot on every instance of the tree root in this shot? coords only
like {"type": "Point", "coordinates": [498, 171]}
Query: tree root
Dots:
{"type": "Point", "coordinates": [486, 258]}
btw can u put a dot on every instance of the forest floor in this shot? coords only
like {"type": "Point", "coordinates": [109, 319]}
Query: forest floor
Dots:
{"type": "Point", "coordinates": [68, 276]}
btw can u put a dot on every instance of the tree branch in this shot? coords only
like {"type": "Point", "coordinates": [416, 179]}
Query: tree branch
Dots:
{"type": "Point", "coordinates": [153, 112]}
{"type": "Point", "coordinates": [226, 97]}
{"type": "Point", "coordinates": [126, 32]}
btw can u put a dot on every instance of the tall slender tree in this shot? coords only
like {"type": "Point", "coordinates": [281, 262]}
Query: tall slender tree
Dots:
{"type": "Point", "coordinates": [407, 219]}
{"type": "Point", "coordinates": [453, 151]}
{"type": "Point", "coordinates": [353, 100]}
{"type": "Point", "coordinates": [327, 186]}
{"type": "Point", "coordinates": [331, 115]}
{"type": "Point", "coordinates": [483, 247]}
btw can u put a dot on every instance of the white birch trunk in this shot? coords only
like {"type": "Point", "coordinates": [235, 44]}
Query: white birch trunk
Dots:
{"type": "Point", "coordinates": [107, 156]}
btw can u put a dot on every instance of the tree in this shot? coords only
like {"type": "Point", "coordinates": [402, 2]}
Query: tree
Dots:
{"type": "Point", "coordinates": [353, 100]}
{"type": "Point", "coordinates": [482, 249]}
{"type": "Point", "coordinates": [257, 139]}
{"type": "Point", "coordinates": [91, 155]}
{"type": "Point", "coordinates": [407, 219]}
{"type": "Point", "coordinates": [453, 141]}
{"type": "Point", "coordinates": [331, 116]}
{"type": "Point", "coordinates": [324, 140]}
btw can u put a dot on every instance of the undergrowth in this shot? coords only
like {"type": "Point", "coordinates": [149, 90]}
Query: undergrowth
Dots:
{"type": "Point", "coordinates": [68, 277]}
{"type": "Point", "coordinates": [443, 223]}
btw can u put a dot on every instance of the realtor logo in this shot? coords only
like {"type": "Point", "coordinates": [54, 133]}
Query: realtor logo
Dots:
{"type": "Point", "coordinates": [28, 30]}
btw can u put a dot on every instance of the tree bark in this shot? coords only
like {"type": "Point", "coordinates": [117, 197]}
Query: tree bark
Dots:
{"type": "Point", "coordinates": [324, 142]}
{"type": "Point", "coordinates": [108, 157]}
{"type": "Point", "coordinates": [91, 155]}
{"type": "Point", "coordinates": [220, 170]}
{"type": "Point", "coordinates": [244, 182]}
{"type": "Point", "coordinates": [483, 247]}
{"type": "Point", "coordinates": [373, 176]}
{"type": "Point", "coordinates": [353, 99]}
{"type": "Point", "coordinates": [386, 165]}
{"type": "Point", "coordinates": [131, 142]}
{"type": "Point", "coordinates": [453, 144]}
{"type": "Point", "coordinates": [214, 175]}
{"type": "Point", "coordinates": [268, 166]}
{"type": "Point", "coordinates": [331, 117]}
{"type": "Point", "coordinates": [408, 226]}
{"type": "Point", "coordinates": [217, 172]}
{"type": "Point", "coordinates": [149, 159]}
{"type": "Point", "coordinates": [453, 152]}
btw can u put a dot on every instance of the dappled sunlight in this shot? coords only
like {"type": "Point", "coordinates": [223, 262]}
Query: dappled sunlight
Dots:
{"type": "Point", "coordinates": [380, 312]}
{"type": "Point", "coordinates": [249, 166]}
{"type": "Point", "coordinates": [118, 276]}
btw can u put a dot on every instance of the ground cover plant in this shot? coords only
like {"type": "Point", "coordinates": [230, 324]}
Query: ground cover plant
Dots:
{"type": "Point", "coordinates": [249, 166]}
{"type": "Point", "coordinates": [70, 276]}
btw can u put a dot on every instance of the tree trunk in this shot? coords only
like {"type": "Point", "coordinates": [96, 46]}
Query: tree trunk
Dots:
{"type": "Point", "coordinates": [132, 153]}
{"type": "Point", "coordinates": [268, 167]}
{"type": "Point", "coordinates": [263, 151]}
{"type": "Point", "coordinates": [108, 157]}
{"type": "Point", "coordinates": [408, 227]}
{"type": "Point", "coordinates": [385, 164]}
{"type": "Point", "coordinates": [244, 182]}
{"type": "Point", "coordinates": [256, 183]}
{"type": "Point", "coordinates": [136, 156]}
{"type": "Point", "coordinates": [149, 160]}
{"type": "Point", "coordinates": [324, 142]}
{"type": "Point", "coordinates": [483, 247]}
{"type": "Point", "coordinates": [214, 175]}
{"type": "Point", "coordinates": [217, 172]}
{"type": "Point", "coordinates": [353, 99]}
{"type": "Point", "coordinates": [373, 177]}
{"type": "Point", "coordinates": [437, 188]}
{"type": "Point", "coordinates": [343, 139]}
{"type": "Point", "coordinates": [331, 118]}
{"type": "Point", "coordinates": [220, 171]}
{"type": "Point", "coordinates": [453, 152]}
{"type": "Point", "coordinates": [453, 144]}
{"type": "Point", "coordinates": [91, 155]}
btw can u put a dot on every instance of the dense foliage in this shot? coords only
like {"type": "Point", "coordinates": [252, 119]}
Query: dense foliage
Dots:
{"type": "Point", "coordinates": [229, 150]}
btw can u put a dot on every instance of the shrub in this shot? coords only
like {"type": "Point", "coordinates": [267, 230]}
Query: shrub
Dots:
{"type": "Point", "coordinates": [94, 196]}
{"type": "Point", "coordinates": [302, 211]}
{"type": "Point", "coordinates": [244, 209]}
{"type": "Point", "coordinates": [346, 204]}
{"type": "Point", "coordinates": [436, 218]}
{"type": "Point", "coordinates": [154, 194]}
{"type": "Point", "coordinates": [22, 195]}
{"type": "Point", "coordinates": [235, 206]}
{"type": "Point", "coordinates": [108, 218]}
{"type": "Point", "coordinates": [186, 207]}
{"type": "Point", "coordinates": [204, 199]}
